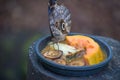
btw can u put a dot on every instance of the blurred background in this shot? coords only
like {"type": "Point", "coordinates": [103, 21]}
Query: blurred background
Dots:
{"type": "Point", "coordinates": [24, 21]}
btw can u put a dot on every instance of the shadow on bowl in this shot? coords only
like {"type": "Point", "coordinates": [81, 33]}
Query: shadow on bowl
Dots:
{"type": "Point", "coordinates": [73, 70]}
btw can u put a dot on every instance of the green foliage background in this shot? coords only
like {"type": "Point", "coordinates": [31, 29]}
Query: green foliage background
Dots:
{"type": "Point", "coordinates": [14, 56]}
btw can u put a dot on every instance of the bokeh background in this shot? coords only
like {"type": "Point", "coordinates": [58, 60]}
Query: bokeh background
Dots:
{"type": "Point", "coordinates": [24, 21]}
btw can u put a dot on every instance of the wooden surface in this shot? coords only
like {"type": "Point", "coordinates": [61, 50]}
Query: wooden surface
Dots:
{"type": "Point", "coordinates": [112, 72]}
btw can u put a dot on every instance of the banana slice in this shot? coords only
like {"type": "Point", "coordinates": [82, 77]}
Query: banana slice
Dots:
{"type": "Point", "coordinates": [79, 62]}
{"type": "Point", "coordinates": [65, 48]}
{"type": "Point", "coordinates": [60, 61]}
{"type": "Point", "coordinates": [54, 54]}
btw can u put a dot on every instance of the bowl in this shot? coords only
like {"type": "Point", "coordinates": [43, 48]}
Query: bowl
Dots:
{"type": "Point", "coordinates": [72, 70]}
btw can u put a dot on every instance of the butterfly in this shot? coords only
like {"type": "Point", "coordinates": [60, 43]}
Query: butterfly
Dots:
{"type": "Point", "coordinates": [59, 20]}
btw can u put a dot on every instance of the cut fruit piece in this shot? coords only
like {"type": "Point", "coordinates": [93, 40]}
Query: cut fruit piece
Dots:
{"type": "Point", "coordinates": [53, 54]}
{"type": "Point", "coordinates": [65, 48]}
{"type": "Point", "coordinates": [60, 61]}
{"type": "Point", "coordinates": [78, 62]}
{"type": "Point", "coordinates": [94, 54]}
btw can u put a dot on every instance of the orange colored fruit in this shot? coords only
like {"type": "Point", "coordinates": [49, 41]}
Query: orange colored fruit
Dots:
{"type": "Point", "coordinates": [94, 54]}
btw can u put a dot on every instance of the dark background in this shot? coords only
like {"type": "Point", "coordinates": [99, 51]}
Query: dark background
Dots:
{"type": "Point", "coordinates": [24, 21]}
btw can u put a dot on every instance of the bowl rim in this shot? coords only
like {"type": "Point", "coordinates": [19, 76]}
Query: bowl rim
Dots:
{"type": "Point", "coordinates": [51, 63]}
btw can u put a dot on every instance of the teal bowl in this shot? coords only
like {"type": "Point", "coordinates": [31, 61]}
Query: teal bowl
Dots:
{"type": "Point", "coordinates": [72, 70]}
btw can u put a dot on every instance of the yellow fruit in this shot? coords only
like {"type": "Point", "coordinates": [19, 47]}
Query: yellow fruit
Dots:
{"type": "Point", "coordinates": [94, 54]}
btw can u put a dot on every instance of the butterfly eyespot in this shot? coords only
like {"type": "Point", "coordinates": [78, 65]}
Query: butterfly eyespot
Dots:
{"type": "Point", "coordinates": [63, 26]}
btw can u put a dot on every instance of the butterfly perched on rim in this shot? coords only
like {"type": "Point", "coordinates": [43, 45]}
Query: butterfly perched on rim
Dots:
{"type": "Point", "coordinates": [59, 20]}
